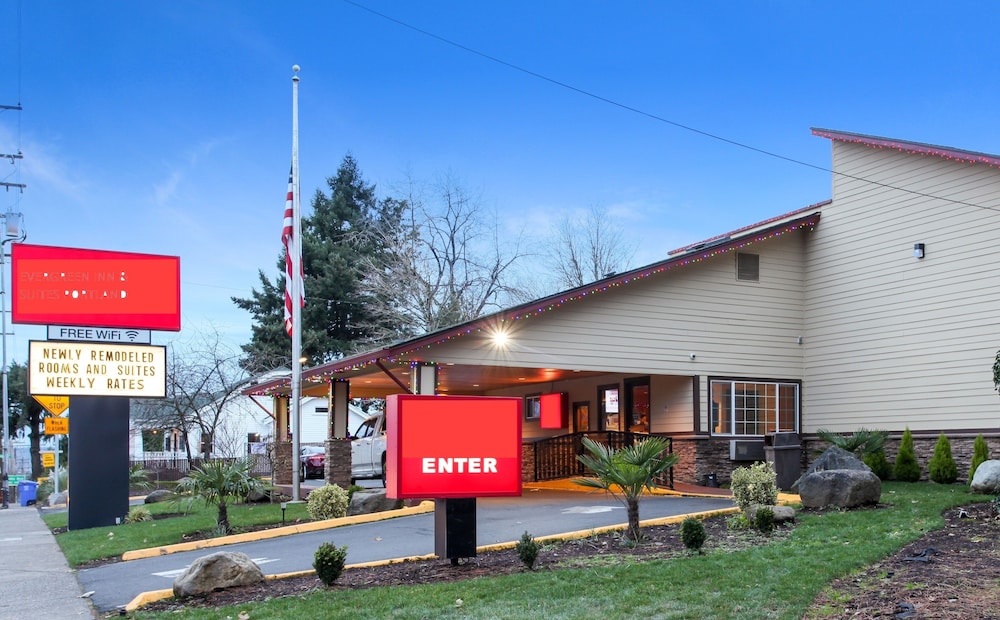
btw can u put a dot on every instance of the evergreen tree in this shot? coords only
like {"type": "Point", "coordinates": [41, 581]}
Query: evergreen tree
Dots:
{"type": "Point", "coordinates": [942, 468]}
{"type": "Point", "coordinates": [980, 453]}
{"type": "Point", "coordinates": [879, 465]}
{"type": "Point", "coordinates": [906, 469]}
{"type": "Point", "coordinates": [336, 317]}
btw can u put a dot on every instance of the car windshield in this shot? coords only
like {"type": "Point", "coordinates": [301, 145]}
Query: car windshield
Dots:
{"type": "Point", "coordinates": [307, 450]}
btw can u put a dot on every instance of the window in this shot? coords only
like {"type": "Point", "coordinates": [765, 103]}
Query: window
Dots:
{"type": "Point", "coordinates": [748, 267]}
{"type": "Point", "coordinates": [754, 408]}
{"type": "Point", "coordinates": [533, 407]}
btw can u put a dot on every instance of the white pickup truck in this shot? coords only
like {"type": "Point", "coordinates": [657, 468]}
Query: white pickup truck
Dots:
{"type": "Point", "coordinates": [368, 450]}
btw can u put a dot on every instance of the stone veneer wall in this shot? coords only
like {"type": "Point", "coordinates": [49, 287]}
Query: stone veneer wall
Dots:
{"type": "Point", "coordinates": [282, 470]}
{"type": "Point", "coordinates": [527, 461]}
{"type": "Point", "coordinates": [337, 468]}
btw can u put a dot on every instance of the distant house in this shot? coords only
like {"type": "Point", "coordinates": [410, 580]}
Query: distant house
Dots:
{"type": "Point", "coordinates": [877, 308]}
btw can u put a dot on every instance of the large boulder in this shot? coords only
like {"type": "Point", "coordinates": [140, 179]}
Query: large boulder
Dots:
{"type": "Point", "coordinates": [217, 571]}
{"type": "Point", "coordinates": [159, 495]}
{"type": "Point", "coordinates": [842, 488]}
{"type": "Point", "coordinates": [987, 478]}
{"type": "Point", "coordinates": [370, 501]}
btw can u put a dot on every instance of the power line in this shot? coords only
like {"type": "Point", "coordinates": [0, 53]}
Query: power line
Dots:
{"type": "Point", "coordinates": [652, 116]}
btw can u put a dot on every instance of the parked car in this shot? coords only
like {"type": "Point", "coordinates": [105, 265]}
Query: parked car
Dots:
{"type": "Point", "coordinates": [312, 461]}
{"type": "Point", "coordinates": [368, 449]}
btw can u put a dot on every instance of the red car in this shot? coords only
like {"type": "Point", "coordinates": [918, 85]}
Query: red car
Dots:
{"type": "Point", "coordinates": [312, 461]}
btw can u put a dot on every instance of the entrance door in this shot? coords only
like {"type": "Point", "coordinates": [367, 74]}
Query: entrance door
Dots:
{"type": "Point", "coordinates": [637, 404]}
{"type": "Point", "coordinates": [581, 417]}
{"type": "Point", "coordinates": [609, 408]}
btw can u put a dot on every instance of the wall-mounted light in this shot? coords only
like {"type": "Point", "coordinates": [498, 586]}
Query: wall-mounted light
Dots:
{"type": "Point", "coordinates": [918, 250]}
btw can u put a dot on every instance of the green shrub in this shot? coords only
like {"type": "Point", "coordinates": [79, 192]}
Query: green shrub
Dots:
{"type": "Point", "coordinates": [138, 514]}
{"type": "Point", "coordinates": [754, 486]}
{"type": "Point", "coordinates": [980, 453]}
{"type": "Point", "coordinates": [737, 521]}
{"type": "Point", "coordinates": [763, 520]}
{"type": "Point", "coordinates": [329, 561]}
{"type": "Point", "coordinates": [527, 550]}
{"type": "Point", "coordinates": [328, 502]}
{"type": "Point", "coordinates": [942, 468]}
{"type": "Point", "coordinates": [693, 534]}
{"type": "Point", "coordinates": [906, 469]}
{"type": "Point", "coordinates": [879, 465]}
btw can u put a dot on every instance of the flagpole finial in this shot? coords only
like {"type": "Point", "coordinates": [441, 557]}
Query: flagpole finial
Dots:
{"type": "Point", "coordinates": [295, 68]}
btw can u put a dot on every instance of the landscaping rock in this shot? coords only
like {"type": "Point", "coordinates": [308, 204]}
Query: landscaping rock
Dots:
{"type": "Point", "coordinates": [842, 488]}
{"type": "Point", "coordinates": [836, 458]}
{"type": "Point", "coordinates": [987, 478]}
{"type": "Point", "coordinates": [159, 495]}
{"type": "Point", "coordinates": [57, 499]}
{"type": "Point", "coordinates": [217, 571]}
{"type": "Point", "coordinates": [368, 502]}
{"type": "Point", "coordinates": [782, 514]}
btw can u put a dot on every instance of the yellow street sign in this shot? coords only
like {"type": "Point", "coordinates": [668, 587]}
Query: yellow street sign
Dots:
{"type": "Point", "coordinates": [56, 405]}
{"type": "Point", "coordinates": [56, 426]}
{"type": "Point", "coordinates": [48, 459]}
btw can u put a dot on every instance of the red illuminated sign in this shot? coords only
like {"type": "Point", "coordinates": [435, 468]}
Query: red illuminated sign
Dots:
{"type": "Point", "coordinates": [452, 446]}
{"type": "Point", "coordinates": [95, 288]}
{"type": "Point", "coordinates": [554, 413]}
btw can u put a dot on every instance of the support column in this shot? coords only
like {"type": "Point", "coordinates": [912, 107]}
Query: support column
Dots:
{"type": "Point", "coordinates": [340, 391]}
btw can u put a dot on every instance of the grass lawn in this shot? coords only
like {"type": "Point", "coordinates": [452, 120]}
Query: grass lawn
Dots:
{"type": "Point", "coordinates": [80, 546]}
{"type": "Point", "coordinates": [777, 580]}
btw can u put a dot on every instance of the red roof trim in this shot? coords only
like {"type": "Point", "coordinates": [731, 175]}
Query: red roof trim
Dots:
{"type": "Point", "coordinates": [918, 148]}
{"type": "Point", "coordinates": [738, 231]}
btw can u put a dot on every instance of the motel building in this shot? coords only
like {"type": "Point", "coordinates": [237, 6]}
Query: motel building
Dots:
{"type": "Point", "coordinates": [877, 308]}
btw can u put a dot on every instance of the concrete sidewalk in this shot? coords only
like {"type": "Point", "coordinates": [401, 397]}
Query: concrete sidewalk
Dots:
{"type": "Point", "coordinates": [34, 576]}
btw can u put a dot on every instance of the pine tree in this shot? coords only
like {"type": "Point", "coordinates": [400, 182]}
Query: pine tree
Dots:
{"type": "Point", "coordinates": [906, 469]}
{"type": "Point", "coordinates": [980, 453]}
{"type": "Point", "coordinates": [336, 317]}
{"type": "Point", "coordinates": [942, 468]}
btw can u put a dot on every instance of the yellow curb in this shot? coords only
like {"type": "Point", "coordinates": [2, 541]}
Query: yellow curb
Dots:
{"type": "Point", "coordinates": [312, 526]}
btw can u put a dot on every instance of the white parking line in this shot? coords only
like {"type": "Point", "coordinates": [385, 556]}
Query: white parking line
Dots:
{"type": "Point", "coordinates": [170, 574]}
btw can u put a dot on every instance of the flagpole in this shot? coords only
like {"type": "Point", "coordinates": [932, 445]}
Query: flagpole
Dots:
{"type": "Point", "coordinates": [296, 293]}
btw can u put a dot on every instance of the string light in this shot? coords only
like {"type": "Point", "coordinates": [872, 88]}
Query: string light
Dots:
{"type": "Point", "coordinates": [486, 327]}
{"type": "Point", "coordinates": [913, 148]}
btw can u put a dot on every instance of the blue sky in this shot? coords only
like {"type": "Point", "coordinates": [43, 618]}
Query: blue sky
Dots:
{"type": "Point", "coordinates": [165, 127]}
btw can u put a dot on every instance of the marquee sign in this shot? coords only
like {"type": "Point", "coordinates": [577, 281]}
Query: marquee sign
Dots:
{"type": "Point", "coordinates": [452, 446]}
{"type": "Point", "coordinates": [95, 288]}
{"type": "Point", "coordinates": [96, 369]}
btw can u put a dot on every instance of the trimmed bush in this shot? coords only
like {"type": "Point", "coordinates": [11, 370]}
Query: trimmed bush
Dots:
{"type": "Point", "coordinates": [879, 465]}
{"type": "Point", "coordinates": [980, 453]}
{"type": "Point", "coordinates": [906, 469]}
{"type": "Point", "coordinates": [763, 520]}
{"type": "Point", "coordinates": [693, 534]}
{"type": "Point", "coordinates": [527, 550]}
{"type": "Point", "coordinates": [942, 468]}
{"type": "Point", "coordinates": [754, 486]}
{"type": "Point", "coordinates": [329, 561]}
{"type": "Point", "coordinates": [328, 502]}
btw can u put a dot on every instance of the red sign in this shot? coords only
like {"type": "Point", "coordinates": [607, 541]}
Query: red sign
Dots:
{"type": "Point", "coordinates": [554, 413]}
{"type": "Point", "coordinates": [95, 288]}
{"type": "Point", "coordinates": [452, 446]}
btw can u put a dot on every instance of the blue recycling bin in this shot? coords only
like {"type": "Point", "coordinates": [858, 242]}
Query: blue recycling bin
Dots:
{"type": "Point", "coordinates": [27, 491]}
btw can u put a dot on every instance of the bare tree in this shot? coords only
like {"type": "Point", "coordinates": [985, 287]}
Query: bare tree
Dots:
{"type": "Point", "coordinates": [589, 248]}
{"type": "Point", "coordinates": [203, 376]}
{"type": "Point", "coordinates": [440, 263]}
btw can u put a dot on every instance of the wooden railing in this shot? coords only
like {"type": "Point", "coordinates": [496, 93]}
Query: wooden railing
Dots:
{"type": "Point", "coordinates": [556, 457]}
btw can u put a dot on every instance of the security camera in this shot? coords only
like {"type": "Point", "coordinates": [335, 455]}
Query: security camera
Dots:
{"type": "Point", "coordinates": [693, 356]}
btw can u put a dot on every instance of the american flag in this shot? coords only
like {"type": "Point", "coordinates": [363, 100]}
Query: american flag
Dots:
{"type": "Point", "coordinates": [287, 239]}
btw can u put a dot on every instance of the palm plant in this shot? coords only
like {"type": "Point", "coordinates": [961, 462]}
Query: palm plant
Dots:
{"type": "Point", "coordinates": [627, 472]}
{"type": "Point", "coordinates": [861, 442]}
{"type": "Point", "coordinates": [220, 482]}
{"type": "Point", "coordinates": [138, 478]}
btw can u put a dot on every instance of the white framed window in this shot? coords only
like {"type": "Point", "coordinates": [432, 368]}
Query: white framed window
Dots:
{"type": "Point", "coordinates": [753, 408]}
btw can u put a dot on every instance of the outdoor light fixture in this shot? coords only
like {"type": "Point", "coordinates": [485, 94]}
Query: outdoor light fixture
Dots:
{"type": "Point", "coordinates": [283, 506]}
{"type": "Point", "coordinates": [918, 250]}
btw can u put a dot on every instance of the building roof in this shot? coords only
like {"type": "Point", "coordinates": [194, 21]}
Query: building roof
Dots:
{"type": "Point", "coordinates": [374, 366]}
{"type": "Point", "coordinates": [905, 146]}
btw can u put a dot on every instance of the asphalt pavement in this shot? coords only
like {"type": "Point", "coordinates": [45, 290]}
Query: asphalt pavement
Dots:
{"type": "Point", "coordinates": [498, 520]}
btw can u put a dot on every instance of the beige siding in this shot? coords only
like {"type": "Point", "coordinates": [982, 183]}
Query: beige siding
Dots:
{"type": "Point", "coordinates": [892, 340]}
{"type": "Point", "coordinates": [652, 325]}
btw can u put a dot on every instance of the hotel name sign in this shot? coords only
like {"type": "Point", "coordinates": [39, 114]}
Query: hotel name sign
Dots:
{"type": "Point", "coordinates": [97, 369]}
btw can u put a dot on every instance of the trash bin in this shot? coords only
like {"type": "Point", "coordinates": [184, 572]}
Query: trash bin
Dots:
{"type": "Point", "coordinates": [784, 452]}
{"type": "Point", "coordinates": [27, 490]}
